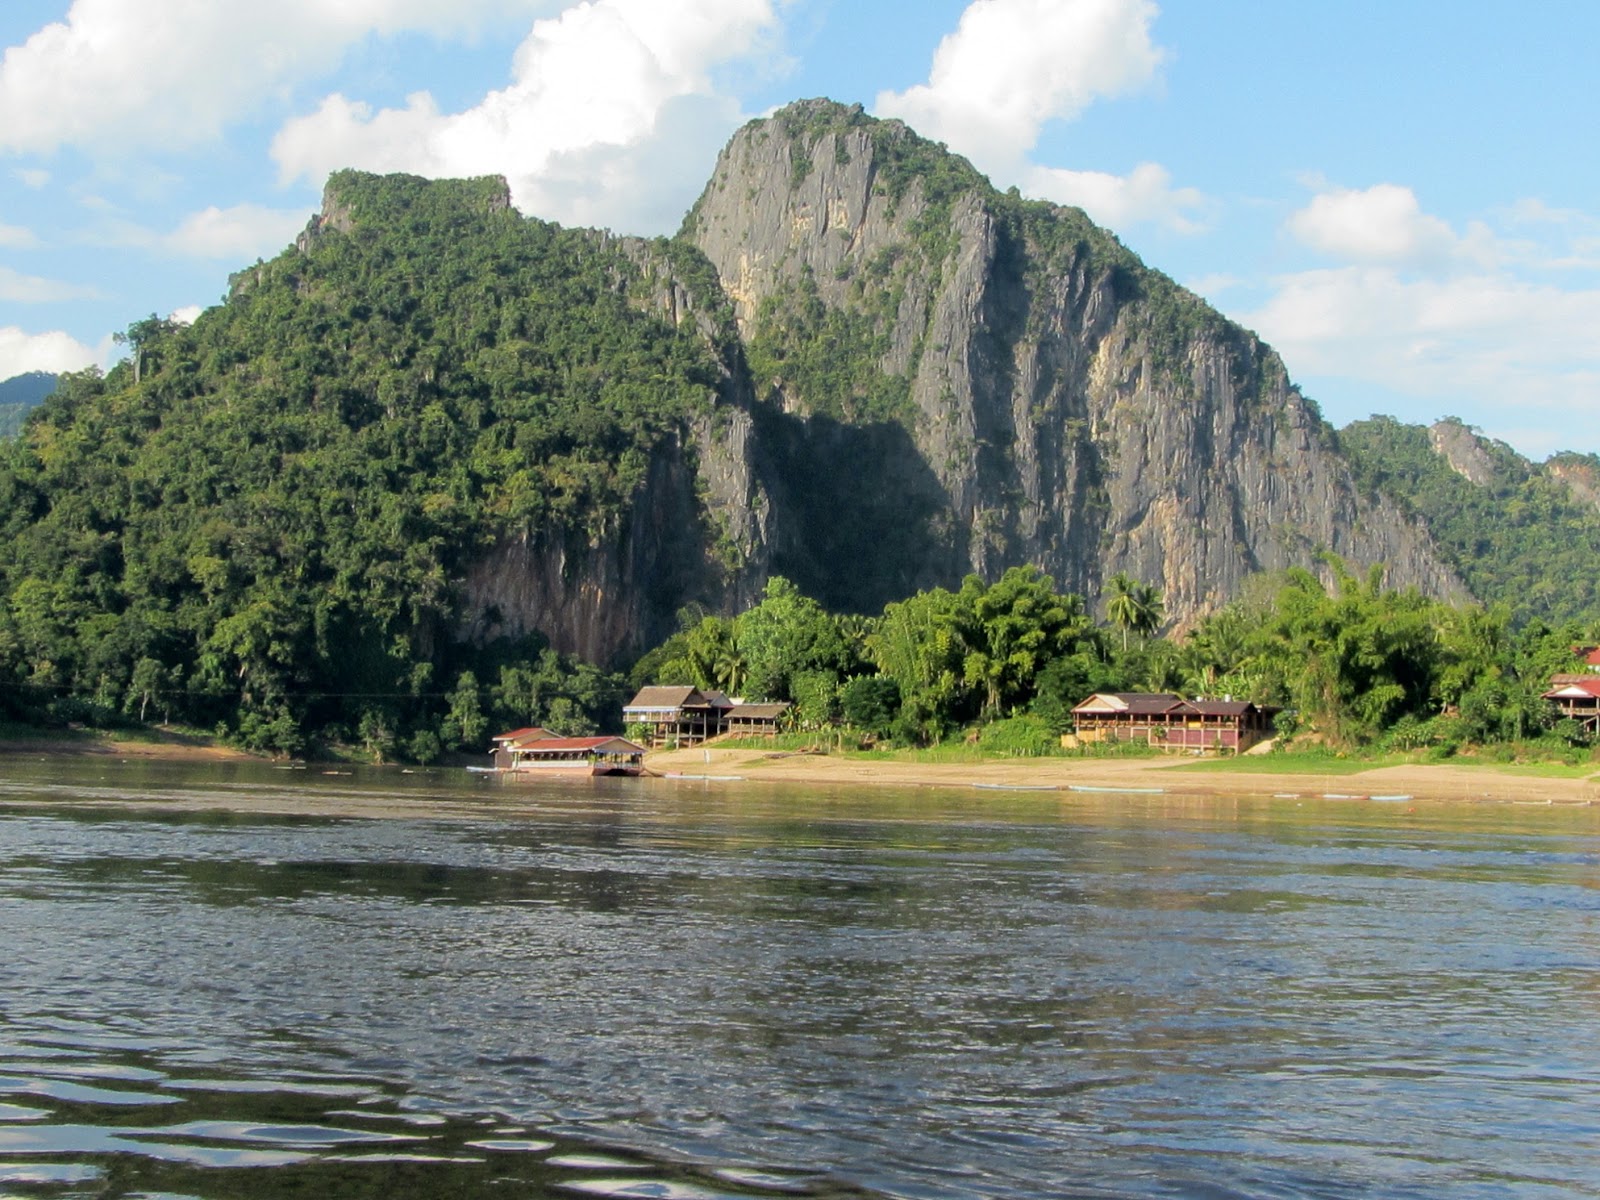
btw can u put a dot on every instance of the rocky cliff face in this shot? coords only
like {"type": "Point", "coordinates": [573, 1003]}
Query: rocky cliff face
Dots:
{"type": "Point", "coordinates": [696, 533]}
{"type": "Point", "coordinates": [947, 379]}
{"type": "Point", "coordinates": [1464, 451]}
{"type": "Point", "coordinates": [1579, 474]}
{"type": "Point", "coordinates": [924, 378]}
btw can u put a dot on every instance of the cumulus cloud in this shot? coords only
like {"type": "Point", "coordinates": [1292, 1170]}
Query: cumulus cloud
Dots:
{"type": "Point", "coordinates": [1013, 65]}
{"type": "Point", "coordinates": [1383, 224]}
{"type": "Point", "coordinates": [173, 73]}
{"type": "Point", "coordinates": [1146, 196]}
{"type": "Point", "coordinates": [31, 289]}
{"type": "Point", "coordinates": [21, 352]}
{"type": "Point", "coordinates": [1414, 306]}
{"type": "Point", "coordinates": [611, 117]}
{"type": "Point", "coordinates": [15, 237]}
{"type": "Point", "coordinates": [1486, 336]}
{"type": "Point", "coordinates": [241, 232]}
{"type": "Point", "coordinates": [245, 231]}
{"type": "Point", "coordinates": [187, 315]}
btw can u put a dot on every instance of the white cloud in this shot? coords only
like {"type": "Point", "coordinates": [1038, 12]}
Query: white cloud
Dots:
{"type": "Point", "coordinates": [1383, 224]}
{"type": "Point", "coordinates": [243, 232]}
{"type": "Point", "coordinates": [1486, 337]}
{"type": "Point", "coordinates": [15, 237]}
{"type": "Point", "coordinates": [33, 177]}
{"type": "Point", "coordinates": [31, 289]}
{"type": "Point", "coordinates": [1144, 196]}
{"type": "Point", "coordinates": [187, 315]}
{"type": "Point", "coordinates": [21, 352]}
{"type": "Point", "coordinates": [1012, 65]}
{"type": "Point", "coordinates": [172, 73]}
{"type": "Point", "coordinates": [611, 117]}
{"type": "Point", "coordinates": [1417, 308]}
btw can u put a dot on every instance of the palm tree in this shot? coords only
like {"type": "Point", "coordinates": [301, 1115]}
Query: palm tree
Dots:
{"type": "Point", "coordinates": [1122, 609]}
{"type": "Point", "coordinates": [1134, 607]}
{"type": "Point", "coordinates": [1152, 612]}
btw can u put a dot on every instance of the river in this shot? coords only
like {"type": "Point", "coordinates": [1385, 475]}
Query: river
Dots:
{"type": "Point", "coordinates": [234, 981]}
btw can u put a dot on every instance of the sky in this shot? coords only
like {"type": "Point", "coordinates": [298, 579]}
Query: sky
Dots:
{"type": "Point", "coordinates": [1401, 196]}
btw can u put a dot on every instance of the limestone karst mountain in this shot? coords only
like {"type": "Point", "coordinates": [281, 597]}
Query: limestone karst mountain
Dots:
{"type": "Point", "coordinates": [952, 379]}
{"type": "Point", "coordinates": [435, 427]}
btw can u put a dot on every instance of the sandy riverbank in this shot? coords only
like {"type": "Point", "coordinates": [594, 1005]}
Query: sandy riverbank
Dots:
{"type": "Point", "coordinates": [171, 747]}
{"type": "Point", "coordinates": [1422, 782]}
{"type": "Point", "coordinates": [1465, 782]}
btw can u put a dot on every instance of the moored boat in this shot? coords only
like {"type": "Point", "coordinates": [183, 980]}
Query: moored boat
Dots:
{"type": "Point", "coordinates": [537, 753]}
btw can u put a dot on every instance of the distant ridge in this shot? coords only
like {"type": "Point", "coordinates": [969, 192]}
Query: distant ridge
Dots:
{"type": "Point", "coordinates": [1522, 534]}
{"type": "Point", "coordinates": [20, 393]}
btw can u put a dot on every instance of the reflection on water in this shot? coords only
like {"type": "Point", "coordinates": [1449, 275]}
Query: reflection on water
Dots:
{"type": "Point", "coordinates": [141, 1132]}
{"type": "Point", "coordinates": [468, 990]}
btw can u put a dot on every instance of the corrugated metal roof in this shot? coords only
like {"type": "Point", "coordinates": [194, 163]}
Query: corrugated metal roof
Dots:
{"type": "Point", "coordinates": [666, 696]}
{"type": "Point", "coordinates": [1151, 704]}
{"type": "Point", "coordinates": [530, 733]}
{"type": "Point", "coordinates": [611, 744]}
{"type": "Point", "coordinates": [1220, 708]}
{"type": "Point", "coordinates": [757, 711]}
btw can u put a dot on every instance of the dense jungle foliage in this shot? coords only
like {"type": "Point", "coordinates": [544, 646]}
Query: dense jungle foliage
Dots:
{"type": "Point", "coordinates": [1522, 539]}
{"type": "Point", "coordinates": [256, 523]}
{"type": "Point", "coordinates": [1354, 663]}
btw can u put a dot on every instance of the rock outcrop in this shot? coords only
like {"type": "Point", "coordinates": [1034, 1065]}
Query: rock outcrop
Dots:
{"type": "Point", "coordinates": [1003, 382]}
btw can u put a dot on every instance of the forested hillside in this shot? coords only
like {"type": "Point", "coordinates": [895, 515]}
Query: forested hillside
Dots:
{"type": "Point", "coordinates": [1520, 534]}
{"type": "Point", "coordinates": [440, 465]}
{"type": "Point", "coordinates": [19, 394]}
{"type": "Point", "coordinates": [261, 522]}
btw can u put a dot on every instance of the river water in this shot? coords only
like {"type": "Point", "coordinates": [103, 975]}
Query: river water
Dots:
{"type": "Point", "coordinates": [231, 981]}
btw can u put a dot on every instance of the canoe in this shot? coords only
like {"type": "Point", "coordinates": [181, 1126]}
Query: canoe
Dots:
{"type": "Point", "coordinates": [1088, 787]}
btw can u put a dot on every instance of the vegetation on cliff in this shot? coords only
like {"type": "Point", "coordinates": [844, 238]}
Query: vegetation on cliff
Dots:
{"type": "Point", "coordinates": [262, 523]}
{"type": "Point", "coordinates": [258, 523]}
{"type": "Point", "coordinates": [1519, 537]}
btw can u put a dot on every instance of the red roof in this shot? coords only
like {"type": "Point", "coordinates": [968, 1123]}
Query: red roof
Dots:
{"type": "Point", "coordinates": [565, 744]}
{"type": "Point", "coordinates": [1571, 687]}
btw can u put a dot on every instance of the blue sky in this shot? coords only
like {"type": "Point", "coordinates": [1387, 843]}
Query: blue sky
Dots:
{"type": "Point", "coordinates": [1402, 197]}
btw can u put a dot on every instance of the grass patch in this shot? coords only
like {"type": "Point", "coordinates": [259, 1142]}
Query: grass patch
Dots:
{"type": "Point", "coordinates": [17, 731]}
{"type": "Point", "coordinates": [1299, 764]}
{"type": "Point", "coordinates": [1550, 769]}
{"type": "Point", "coordinates": [1013, 745]}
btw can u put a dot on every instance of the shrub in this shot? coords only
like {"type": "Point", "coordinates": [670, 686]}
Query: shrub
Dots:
{"type": "Point", "coordinates": [1022, 737]}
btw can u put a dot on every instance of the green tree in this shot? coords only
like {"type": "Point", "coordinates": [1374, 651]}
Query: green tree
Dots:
{"type": "Point", "coordinates": [1355, 660]}
{"type": "Point", "coordinates": [464, 725]}
{"type": "Point", "coordinates": [786, 634]}
{"type": "Point", "coordinates": [921, 644]}
{"type": "Point", "coordinates": [869, 703]}
{"type": "Point", "coordinates": [1133, 607]}
{"type": "Point", "coordinates": [1018, 624]}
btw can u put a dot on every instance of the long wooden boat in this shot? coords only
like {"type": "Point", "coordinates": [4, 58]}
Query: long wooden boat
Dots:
{"type": "Point", "coordinates": [1138, 791]}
